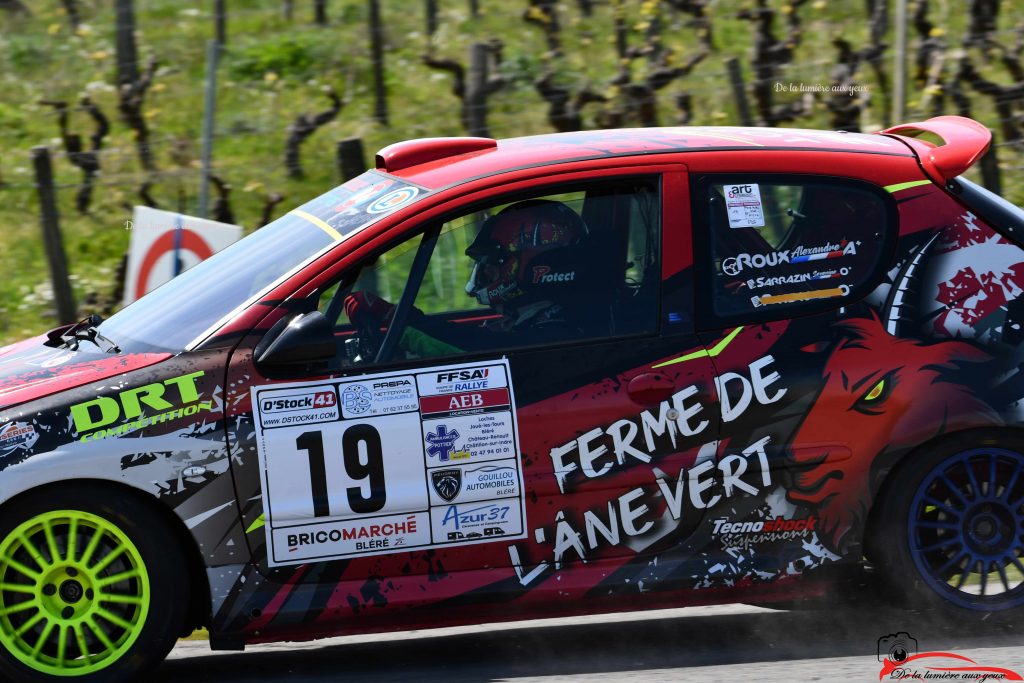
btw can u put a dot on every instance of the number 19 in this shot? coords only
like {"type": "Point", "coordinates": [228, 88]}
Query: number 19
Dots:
{"type": "Point", "coordinates": [313, 443]}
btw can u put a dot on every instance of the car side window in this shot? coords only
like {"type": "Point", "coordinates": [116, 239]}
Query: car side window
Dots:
{"type": "Point", "coordinates": [578, 263]}
{"type": "Point", "coordinates": [790, 246]}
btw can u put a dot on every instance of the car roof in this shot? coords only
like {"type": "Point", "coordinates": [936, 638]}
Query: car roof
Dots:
{"type": "Point", "coordinates": [439, 162]}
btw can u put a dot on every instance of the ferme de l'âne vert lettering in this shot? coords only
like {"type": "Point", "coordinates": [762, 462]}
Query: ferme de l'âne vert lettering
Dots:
{"type": "Point", "coordinates": [91, 416]}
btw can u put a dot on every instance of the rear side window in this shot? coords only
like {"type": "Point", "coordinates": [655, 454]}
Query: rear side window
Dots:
{"type": "Point", "coordinates": [785, 246]}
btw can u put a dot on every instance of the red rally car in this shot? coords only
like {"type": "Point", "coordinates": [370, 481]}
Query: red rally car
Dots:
{"type": "Point", "coordinates": [595, 371]}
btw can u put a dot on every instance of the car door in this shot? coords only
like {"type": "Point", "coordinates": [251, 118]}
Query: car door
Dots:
{"type": "Point", "coordinates": [792, 267]}
{"type": "Point", "coordinates": [449, 437]}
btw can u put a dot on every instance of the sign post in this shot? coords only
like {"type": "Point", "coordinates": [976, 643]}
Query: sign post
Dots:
{"type": "Point", "coordinates": [164, 244]}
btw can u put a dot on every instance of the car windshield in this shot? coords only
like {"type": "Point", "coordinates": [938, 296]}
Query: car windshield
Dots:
{"type": "Point", "coordinates": [184, 309]}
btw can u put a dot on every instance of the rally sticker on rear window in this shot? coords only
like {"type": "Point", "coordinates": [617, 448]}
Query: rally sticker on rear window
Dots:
{"type": "Point", "coordinates": [743, 206]}
{"type": "Point", "coordinates": [389, 462]}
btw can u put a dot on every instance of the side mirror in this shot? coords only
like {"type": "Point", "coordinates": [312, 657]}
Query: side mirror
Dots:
{"type": "Point", "coordinates": [304, 340]}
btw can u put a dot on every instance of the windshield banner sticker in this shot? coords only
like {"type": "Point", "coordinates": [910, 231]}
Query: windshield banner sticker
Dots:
{"type": "Point", "coordinates": [345, 210]}
{"type": "Point", "coordinates": [389, 462]}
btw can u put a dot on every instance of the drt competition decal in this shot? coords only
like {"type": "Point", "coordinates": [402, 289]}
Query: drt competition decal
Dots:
{"type": "Point", "coordinates": [389, 462]}
{"type": "Point", "coordinates": [93, 419]}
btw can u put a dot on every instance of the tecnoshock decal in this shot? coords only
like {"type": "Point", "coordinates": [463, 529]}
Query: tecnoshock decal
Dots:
{"type": "Point", "coordinates": [747, 534]}
{"type": "Point", "coordinates": [389, 462]}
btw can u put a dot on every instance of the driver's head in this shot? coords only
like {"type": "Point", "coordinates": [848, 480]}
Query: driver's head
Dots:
{"type": "Point", "coordinates": [524, 253]}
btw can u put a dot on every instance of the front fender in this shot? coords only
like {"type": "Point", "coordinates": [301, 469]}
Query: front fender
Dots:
{"type": "Point", "coordinates": [160, 430]}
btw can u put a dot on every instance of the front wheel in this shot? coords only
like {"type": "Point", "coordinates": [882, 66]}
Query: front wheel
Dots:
{"type": "Point", "coordinates": [951, 527]}
{"type": "Point", "coordinates": [92, 587]}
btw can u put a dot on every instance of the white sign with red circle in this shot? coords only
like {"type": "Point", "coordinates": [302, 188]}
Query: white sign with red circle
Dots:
{"type": "Point", "coordinates": [165, 244]}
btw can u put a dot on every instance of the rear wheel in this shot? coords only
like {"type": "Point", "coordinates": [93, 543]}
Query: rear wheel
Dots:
{"type": "Point", "coordinates": [953, 527]}
{"type": "Point", "coordinates": [90, 588]}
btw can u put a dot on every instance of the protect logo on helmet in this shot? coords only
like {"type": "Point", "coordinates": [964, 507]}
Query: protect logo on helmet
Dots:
{"type": "Point", "coordinates": [543, 274]}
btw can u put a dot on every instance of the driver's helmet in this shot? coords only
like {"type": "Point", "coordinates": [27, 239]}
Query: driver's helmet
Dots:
{"type": "Point", "coordinates": [524, 253]}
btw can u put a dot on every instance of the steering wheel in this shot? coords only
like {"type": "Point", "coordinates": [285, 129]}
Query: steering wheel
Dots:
{"type": "Point", "coordinates": [369, 338]}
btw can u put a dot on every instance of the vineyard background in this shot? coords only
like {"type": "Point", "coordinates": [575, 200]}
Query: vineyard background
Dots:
{"type": "Point", "coordinates": [549, 66]}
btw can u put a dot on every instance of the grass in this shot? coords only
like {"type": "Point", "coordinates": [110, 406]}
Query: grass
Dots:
{"type": "Point", "coordinates": [274, 69]}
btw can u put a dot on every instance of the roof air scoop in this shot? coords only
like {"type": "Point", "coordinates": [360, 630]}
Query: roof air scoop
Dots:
{"type": "Point", "coordinates": [414, 152]}
{"type": "Point", "coordinates": [963, 142]}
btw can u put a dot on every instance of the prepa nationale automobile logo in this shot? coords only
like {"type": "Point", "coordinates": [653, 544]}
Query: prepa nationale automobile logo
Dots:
{"type": "Point", "coordinates": [356, 399]}
{"type": "Point", "coordinates": [17, 435]}
{"type": "Point", "coordinates": [447, 483]}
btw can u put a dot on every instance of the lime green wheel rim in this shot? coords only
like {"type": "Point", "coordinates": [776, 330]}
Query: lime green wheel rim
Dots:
{"type": "Point", "coordinates": [74, 593]}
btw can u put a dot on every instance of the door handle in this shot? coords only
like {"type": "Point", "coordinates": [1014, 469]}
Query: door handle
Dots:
{"type": "Point", "coordinates": [650, 388]}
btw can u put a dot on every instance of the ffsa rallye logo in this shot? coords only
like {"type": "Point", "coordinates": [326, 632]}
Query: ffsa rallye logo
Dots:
{"type": "Point", "coordinates": [463, 380]}
{"type": "Point", "coordinates": [91, 419]}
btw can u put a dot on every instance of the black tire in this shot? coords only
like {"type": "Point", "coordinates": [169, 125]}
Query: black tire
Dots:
{"type": "Point", "coordinates": [153, 601]}
{"type": "Point", "coordinates": [939, 512]}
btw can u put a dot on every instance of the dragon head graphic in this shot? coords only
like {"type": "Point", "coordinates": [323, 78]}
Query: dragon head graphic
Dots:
{"type": "Point", "coordinates": [881, 394]}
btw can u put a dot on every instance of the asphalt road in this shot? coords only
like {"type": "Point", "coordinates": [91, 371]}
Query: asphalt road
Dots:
{"type": "Point", "coordinates": [730, 643]}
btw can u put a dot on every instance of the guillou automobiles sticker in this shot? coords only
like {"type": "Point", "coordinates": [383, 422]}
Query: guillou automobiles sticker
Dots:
{"type": "Point", "coordinates": [389, 462]}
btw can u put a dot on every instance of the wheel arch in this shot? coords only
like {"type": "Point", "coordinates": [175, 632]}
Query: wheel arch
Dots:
{"type": "Point", "coordinates": [200, 601]}
{"type": "Point", "coordinates": [979, 435]}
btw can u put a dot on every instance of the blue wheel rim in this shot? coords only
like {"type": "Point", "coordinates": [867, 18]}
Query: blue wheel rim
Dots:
{"type": "Point", "coordinates": [966, 529]}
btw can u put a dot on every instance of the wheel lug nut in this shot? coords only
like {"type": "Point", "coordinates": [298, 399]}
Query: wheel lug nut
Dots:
{"type": "Point", "coordinates": [89, 594]}
{"type": "Point", "coordinates": [68, 612]}
{"type": "Point", "coordinates": [72, 571]}
{"type": "Point", "coordinates": [49, 589]}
